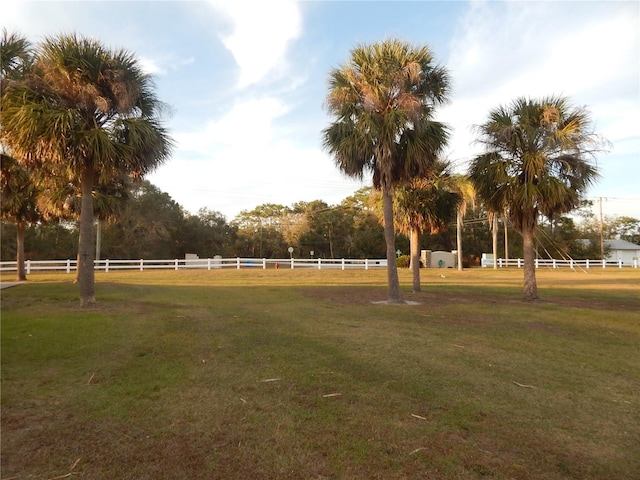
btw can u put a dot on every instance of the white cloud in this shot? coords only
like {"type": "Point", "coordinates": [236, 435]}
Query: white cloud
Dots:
{"type": "Point", "coordinates": [247, 128]}
{"type": "Point", "coordinates": [161, 66]}
{"type": "Point", "coordinates": [260, 35]}
{"type": "Point", "coordinates": [245, 159]}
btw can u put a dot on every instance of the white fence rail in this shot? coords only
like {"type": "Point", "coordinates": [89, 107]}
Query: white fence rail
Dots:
{"type": "Point", "coordinates": [69, 266]}
{"type": "Point", "coordinates": [552, 263]}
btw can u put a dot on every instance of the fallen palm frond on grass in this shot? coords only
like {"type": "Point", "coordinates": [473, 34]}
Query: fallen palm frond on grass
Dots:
{"type": "Point", "coordinates": [298, 375]}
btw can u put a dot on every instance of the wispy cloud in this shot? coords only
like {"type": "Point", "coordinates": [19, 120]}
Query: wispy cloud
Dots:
{"type": "Point", "coordinates": [248, 119]}
{"type": "Point", "coordinates": [503, 50]}
{"type": "Point", "coordinates": [260, 32]}
{"type": "Point", "coordinates": [162, 66]}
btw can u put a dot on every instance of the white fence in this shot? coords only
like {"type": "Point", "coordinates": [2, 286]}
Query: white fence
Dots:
{"type": "Point", "coordinates": [552, 263]}
{"type": "Point", "coordinates": [69, 266]}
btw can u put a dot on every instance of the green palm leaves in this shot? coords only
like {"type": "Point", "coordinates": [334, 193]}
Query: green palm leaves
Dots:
{"type": "Point", "coordinates": [537, 161]}
{"type": "Point", "coordinates": [89, 114]}
{"type": "Point", "coordinates": [383, 101]}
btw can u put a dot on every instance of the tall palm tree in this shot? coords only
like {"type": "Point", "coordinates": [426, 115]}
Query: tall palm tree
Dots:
{"type": "Point", "coordinates": [18, 204]}
{"type": "Point", "coordinates": [93, 113]}
{"type": "Point", "coordinates": [537, 161]}
{"type": "Point", "coordinates": [467, 197]}
{"type": "Point", "coordinates": [19, 192]}
{"type": "Point", "coordinates": [383, 102]}
{"type": "Point", "coordinates": [427, 203]}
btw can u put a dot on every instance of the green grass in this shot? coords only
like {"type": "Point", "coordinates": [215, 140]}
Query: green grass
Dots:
{"type": "Point", "coordinates": [283, 374]}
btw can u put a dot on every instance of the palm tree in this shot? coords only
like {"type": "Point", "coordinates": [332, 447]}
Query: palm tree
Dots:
{"type": "Point", "coordinates": [18, 204]}
{"type": "Point", "coordinates": [467, 197]}
{"type": "Point", "coordinates": [492, 217]}
{"type": "Point", "coordinates": [383, 101]}
{"type": "Point", "coordinates": [425, 203]}
{"type": "Point", "coordinates": [19, 192]}
{"type": "Point", "coordinates": [93, 113]}
{"type": "Point", "coordinates": [536, 162]}
{"type": "Point", "coordinates": [16, 57]}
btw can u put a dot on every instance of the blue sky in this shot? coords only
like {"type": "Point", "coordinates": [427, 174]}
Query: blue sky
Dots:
{"type": "Point", "coordinates": [246, 81]}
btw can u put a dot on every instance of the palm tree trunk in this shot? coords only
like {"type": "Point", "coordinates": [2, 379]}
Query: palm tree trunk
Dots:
{"type": "Point", "coordinates": [494, 236]}
{"type": "Point", "coordinates": [86, 246]}
{"type": "Point", "coordinates": [506, 241]}
{"type": "Point", "coordinates": [330, 245]}
{"type": "Point", "coordinates": [415, 258]}
{"type": "Point", "coordinates": [530, 285]}
{"type": "Point", "coordinates": [459, 238]}
{"type": "Point", "coordinates": [390, 239]}
{"type": "Point", "coordinates": [20, 268]}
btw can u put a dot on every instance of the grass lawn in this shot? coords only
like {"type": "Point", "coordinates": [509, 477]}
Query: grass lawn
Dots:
{"type": "Point", "coordinates": [296, 374]}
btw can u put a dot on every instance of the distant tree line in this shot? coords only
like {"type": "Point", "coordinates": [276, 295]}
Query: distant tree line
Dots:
{"type": "Point", "coordinates": [154, 226]}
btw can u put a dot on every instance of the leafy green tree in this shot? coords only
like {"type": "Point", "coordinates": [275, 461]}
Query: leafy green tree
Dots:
{"type": "Point", "coordinates": [317, 235]}
{"type": "Point", "coordinates": [536, 162]}
{"type": "Point", "coordinates": [383, 102]}
{"type": "Point", "coordinates": [260, 231]}
{"type": "Point", "coordinates": [367, 237]}
{"type": "Point", "coordinates": [626, 228]}
{"type": "Point", "coordinates": [92, 112]}
{"type": "Point", "coordinates": [207, 234]}
{"type": "Point", "coordinates": [329, 231]}
{"type": "Point", "coordinates": [564, 239]}
{"type": "Point", "coordinates": [149, 226]}
{"type": "Point", "coordinates": [51, 240]}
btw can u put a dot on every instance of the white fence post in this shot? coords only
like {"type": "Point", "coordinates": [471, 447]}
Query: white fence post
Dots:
{"type": "Point", "coordinates": [619, 263]}
{"type": "Point", "coordinates": [175, 264]}
{"type": "Point", "coordinates": [587, 263]}
{"type": "Point", "coordinates": [343, 264]}
{"type": "Point", "coordinates": [264, 263]}
{"type": "Point", "coordinates": [141, 264]}
{"type": "Point", "coordinates": [366, 264]}
{"type": "Point", "coordinates": [554, 263]}
{"type": "Point", "coordinates": [291, 263]}
{"type": "Point", "coordinates": [319, 263]}
{"type": "Point", "coordinates": [604, 263]}
{"type": "Point", "coordinates": [106, 265]}
{"type": "Point", "coordinates": [68, 265]}
{"type": "Point", "coordinates": [238, 263]}
{"type": "Point", "coordinates": [536, 263]}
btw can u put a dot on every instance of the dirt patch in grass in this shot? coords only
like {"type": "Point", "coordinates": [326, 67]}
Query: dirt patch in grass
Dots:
{"type": "Point", "coordinates": [368, 296]}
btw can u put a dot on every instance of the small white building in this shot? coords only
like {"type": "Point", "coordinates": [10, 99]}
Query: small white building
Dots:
{"type": "Point", "coordinates": [621, 250]}
{"type": "Point", "coordinates": [439, 259]}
